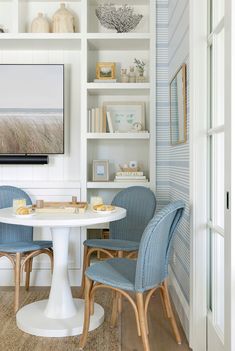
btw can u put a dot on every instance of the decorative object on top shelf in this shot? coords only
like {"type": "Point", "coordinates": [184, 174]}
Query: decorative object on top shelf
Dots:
{"type": "Point", "coordinates": [63, 21]}
{"type": "Point", "coordinates": [106, 71]}
{"type": "Point", "coordinates": [129, 172]}
{"type": "Point", "coordinates": [120, 18]}
{"type": "Point", "coordinates": [2, 29]}
{"type": "Point", "coordinates": [40, 24]}
{"type": "Point", "coordinates": [124, 76]}
{"type": "Point", "coordinates": [100, 171]}
{"type": "Point", "coordinates": [132, 75]}
{"type": "Point", "coordinates": [124, 115]}
{"type": "Point", "coordinates": [140, 69]}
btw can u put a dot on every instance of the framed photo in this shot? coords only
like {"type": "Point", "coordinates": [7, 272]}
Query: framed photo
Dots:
{"type": "Point", "coordinates": [100, 171]}
{"type": "Point", "coordinates": [125, 116]}
{"type": "Point", "coordinates": [105, 70]}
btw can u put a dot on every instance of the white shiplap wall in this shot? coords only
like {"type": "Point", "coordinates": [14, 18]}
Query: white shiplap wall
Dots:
{"type": "Point", "coordinates": [58, 180]}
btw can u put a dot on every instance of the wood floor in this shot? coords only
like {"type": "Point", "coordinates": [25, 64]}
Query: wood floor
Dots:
{"type": "Point", "coordinates": [161, 337]}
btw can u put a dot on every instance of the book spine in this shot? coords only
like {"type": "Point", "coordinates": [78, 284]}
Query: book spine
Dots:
{"type": "Point", "coordinates": [130, 173]}
{"type": "Point", "coordinates": [93, 120]}
{"type": "Point", "coordinates": [89, 121]}
{"type": "Point", "coordinates": [130, 177]}
{"type": "Point", "coordinates": [103, 117]}
{"type": "Point", "coordinates": [110, 124]}
{"type": "Point", "coordinates": [97, 120]}
{"type": "Point", "coordinates": [131, 180]}
{"type": "Point", "coordinates": [101, 120]}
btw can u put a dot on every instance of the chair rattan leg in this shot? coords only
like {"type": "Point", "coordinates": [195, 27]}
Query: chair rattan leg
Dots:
{"type": "Point", "coordinates": [28, 270]}
{"type": "Point", "coordinates": [88, 285]}
{"type": "Point", "coordinates": [120, 255]}
{"type": "Point", "coordinates": [143, 324]}
{"type": "Point", "coordinates": [17, 280]}
{"type": "Point", "coordinates": [114, 310]}
{"type": "Point", "coordinates": [84, 266]}
{"type": "Point", "coordinates": [170, 312]}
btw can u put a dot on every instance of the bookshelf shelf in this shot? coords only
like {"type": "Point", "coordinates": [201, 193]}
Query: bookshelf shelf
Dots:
{"type": "Point", "coordinates": [115, 185]}
{"type": "Point", "coordinates": [118, 136]}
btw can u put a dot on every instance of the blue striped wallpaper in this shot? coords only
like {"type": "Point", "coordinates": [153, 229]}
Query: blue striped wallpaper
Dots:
{"type": "Point", "coordinates": [173, 161]}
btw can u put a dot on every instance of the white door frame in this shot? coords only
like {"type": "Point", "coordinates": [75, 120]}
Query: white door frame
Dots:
{"type": "Point", "coordinates": [229, 336]}
{"type": "Point", "coordinates": [198, 174]}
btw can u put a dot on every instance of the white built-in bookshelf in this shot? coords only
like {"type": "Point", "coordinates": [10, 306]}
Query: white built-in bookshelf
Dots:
{"type": "Point", "coordinates": [71, 173]}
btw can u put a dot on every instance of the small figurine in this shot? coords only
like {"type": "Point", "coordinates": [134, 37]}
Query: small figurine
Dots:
{"type": "Point", "coordinates": [2, 29]}
{"type": "Point", "coordinates": [132, 75]}
{"type": "Point", "coordinates": [124, 76]}
{"type": "Point", "coordinates": [137, 126]}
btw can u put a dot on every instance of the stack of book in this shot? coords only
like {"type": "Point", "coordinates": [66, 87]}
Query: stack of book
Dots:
{"type": "Point", "coordinates": [96, 120]}
{"type": "Point", "coordinates": [105, 80]}
{"type": "Point", "coordinates": [130, 177]}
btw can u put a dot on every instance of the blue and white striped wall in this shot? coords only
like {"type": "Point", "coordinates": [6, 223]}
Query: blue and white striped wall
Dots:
{"type": "Point", "coordinates": [173, 161]}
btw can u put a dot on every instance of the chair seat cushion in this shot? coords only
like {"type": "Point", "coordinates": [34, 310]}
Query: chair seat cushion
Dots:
{"type": "Point", "coordinates": [112, 244]}
{"type": "Point", "coordinates": [25, 246]}
{"type": "Point", "coordinates": [115, 272]}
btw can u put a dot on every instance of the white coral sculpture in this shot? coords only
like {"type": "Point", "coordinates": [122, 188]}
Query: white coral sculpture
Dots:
{"type": "Point", "coordinates": [122, 18]}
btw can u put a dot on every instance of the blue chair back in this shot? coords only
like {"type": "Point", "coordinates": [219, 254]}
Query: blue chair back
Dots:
{"type": "Point", "coordinates": [9, 232]}
{"type": "Point", "coordinates": [140, 204]}
{"type": "Point", "coordinates": [153, 255]}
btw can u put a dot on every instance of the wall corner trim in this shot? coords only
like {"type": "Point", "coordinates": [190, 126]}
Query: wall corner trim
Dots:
{"type": "Point", "coordinates": [183, 309]}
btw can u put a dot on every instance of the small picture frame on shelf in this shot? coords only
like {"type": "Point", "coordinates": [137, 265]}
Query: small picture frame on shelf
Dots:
{"type": "Point", "coordinates": [100, 171]}
{"type": "Point", "coordinates": [105, 70]}
{"type": "Point", "coordinates": [125, 115]}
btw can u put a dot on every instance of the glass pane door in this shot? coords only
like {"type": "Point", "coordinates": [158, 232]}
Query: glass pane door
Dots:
{"type": "Point", "coordinates": [216, 177]}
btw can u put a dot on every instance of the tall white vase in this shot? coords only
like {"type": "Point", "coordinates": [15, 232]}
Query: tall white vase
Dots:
{"type": "Point", "coordinates": [63, 21]}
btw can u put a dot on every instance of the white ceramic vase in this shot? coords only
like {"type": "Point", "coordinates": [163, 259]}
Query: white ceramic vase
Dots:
{"type": "Point", "coordinates": [63, 21]}
{"type": "Point", "coordinates": [40, 24]}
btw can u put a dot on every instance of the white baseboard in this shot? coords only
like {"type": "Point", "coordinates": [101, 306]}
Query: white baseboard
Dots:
{"type": "Point", "coordinates": [39, 277]}
{"type": "Point", "coordinates": [180, 302]}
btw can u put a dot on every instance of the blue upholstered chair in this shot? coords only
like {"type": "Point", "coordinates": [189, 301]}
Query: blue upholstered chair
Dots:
{"type": "Point", "coordinates": [125, 234]}
{"type": "Point", "coordinates": [16, 241]}
{"type": "Point", "coordinates": [144, 275]}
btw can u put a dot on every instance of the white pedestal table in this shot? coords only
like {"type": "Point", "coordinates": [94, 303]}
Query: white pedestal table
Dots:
{"type": "Point", "coordinates": [60, 315]}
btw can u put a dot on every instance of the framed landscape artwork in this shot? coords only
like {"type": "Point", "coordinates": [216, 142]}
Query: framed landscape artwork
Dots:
{"type": "Point", "coordinates": [32, 109]}
{"type": "Point", "coordinates": [105, 70]}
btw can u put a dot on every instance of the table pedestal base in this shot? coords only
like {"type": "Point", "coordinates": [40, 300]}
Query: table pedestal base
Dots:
{"type": "Point", "coordinates": [32, 320]}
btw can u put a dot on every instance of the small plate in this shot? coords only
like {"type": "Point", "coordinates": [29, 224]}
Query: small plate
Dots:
{"type": "Point", "coordinates": [104, 212]}
{"type": "Point", "coordinates": [24, 216]}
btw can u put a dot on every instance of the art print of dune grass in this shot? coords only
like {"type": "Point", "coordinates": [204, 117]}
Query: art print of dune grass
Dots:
{"type": "Point", "coordinates": [31, 131]}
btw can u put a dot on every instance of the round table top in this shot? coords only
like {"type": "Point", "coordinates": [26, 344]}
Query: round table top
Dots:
{"type": "Point", "coordinates": [61, 219]}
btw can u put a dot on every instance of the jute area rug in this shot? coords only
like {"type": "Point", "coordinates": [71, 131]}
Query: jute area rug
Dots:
{"type": "Point", "coordinates": [103, 338]}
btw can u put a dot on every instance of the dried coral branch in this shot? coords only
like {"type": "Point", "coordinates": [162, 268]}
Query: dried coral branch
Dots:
{"type": "Point", "coordinates": [122, 18]}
